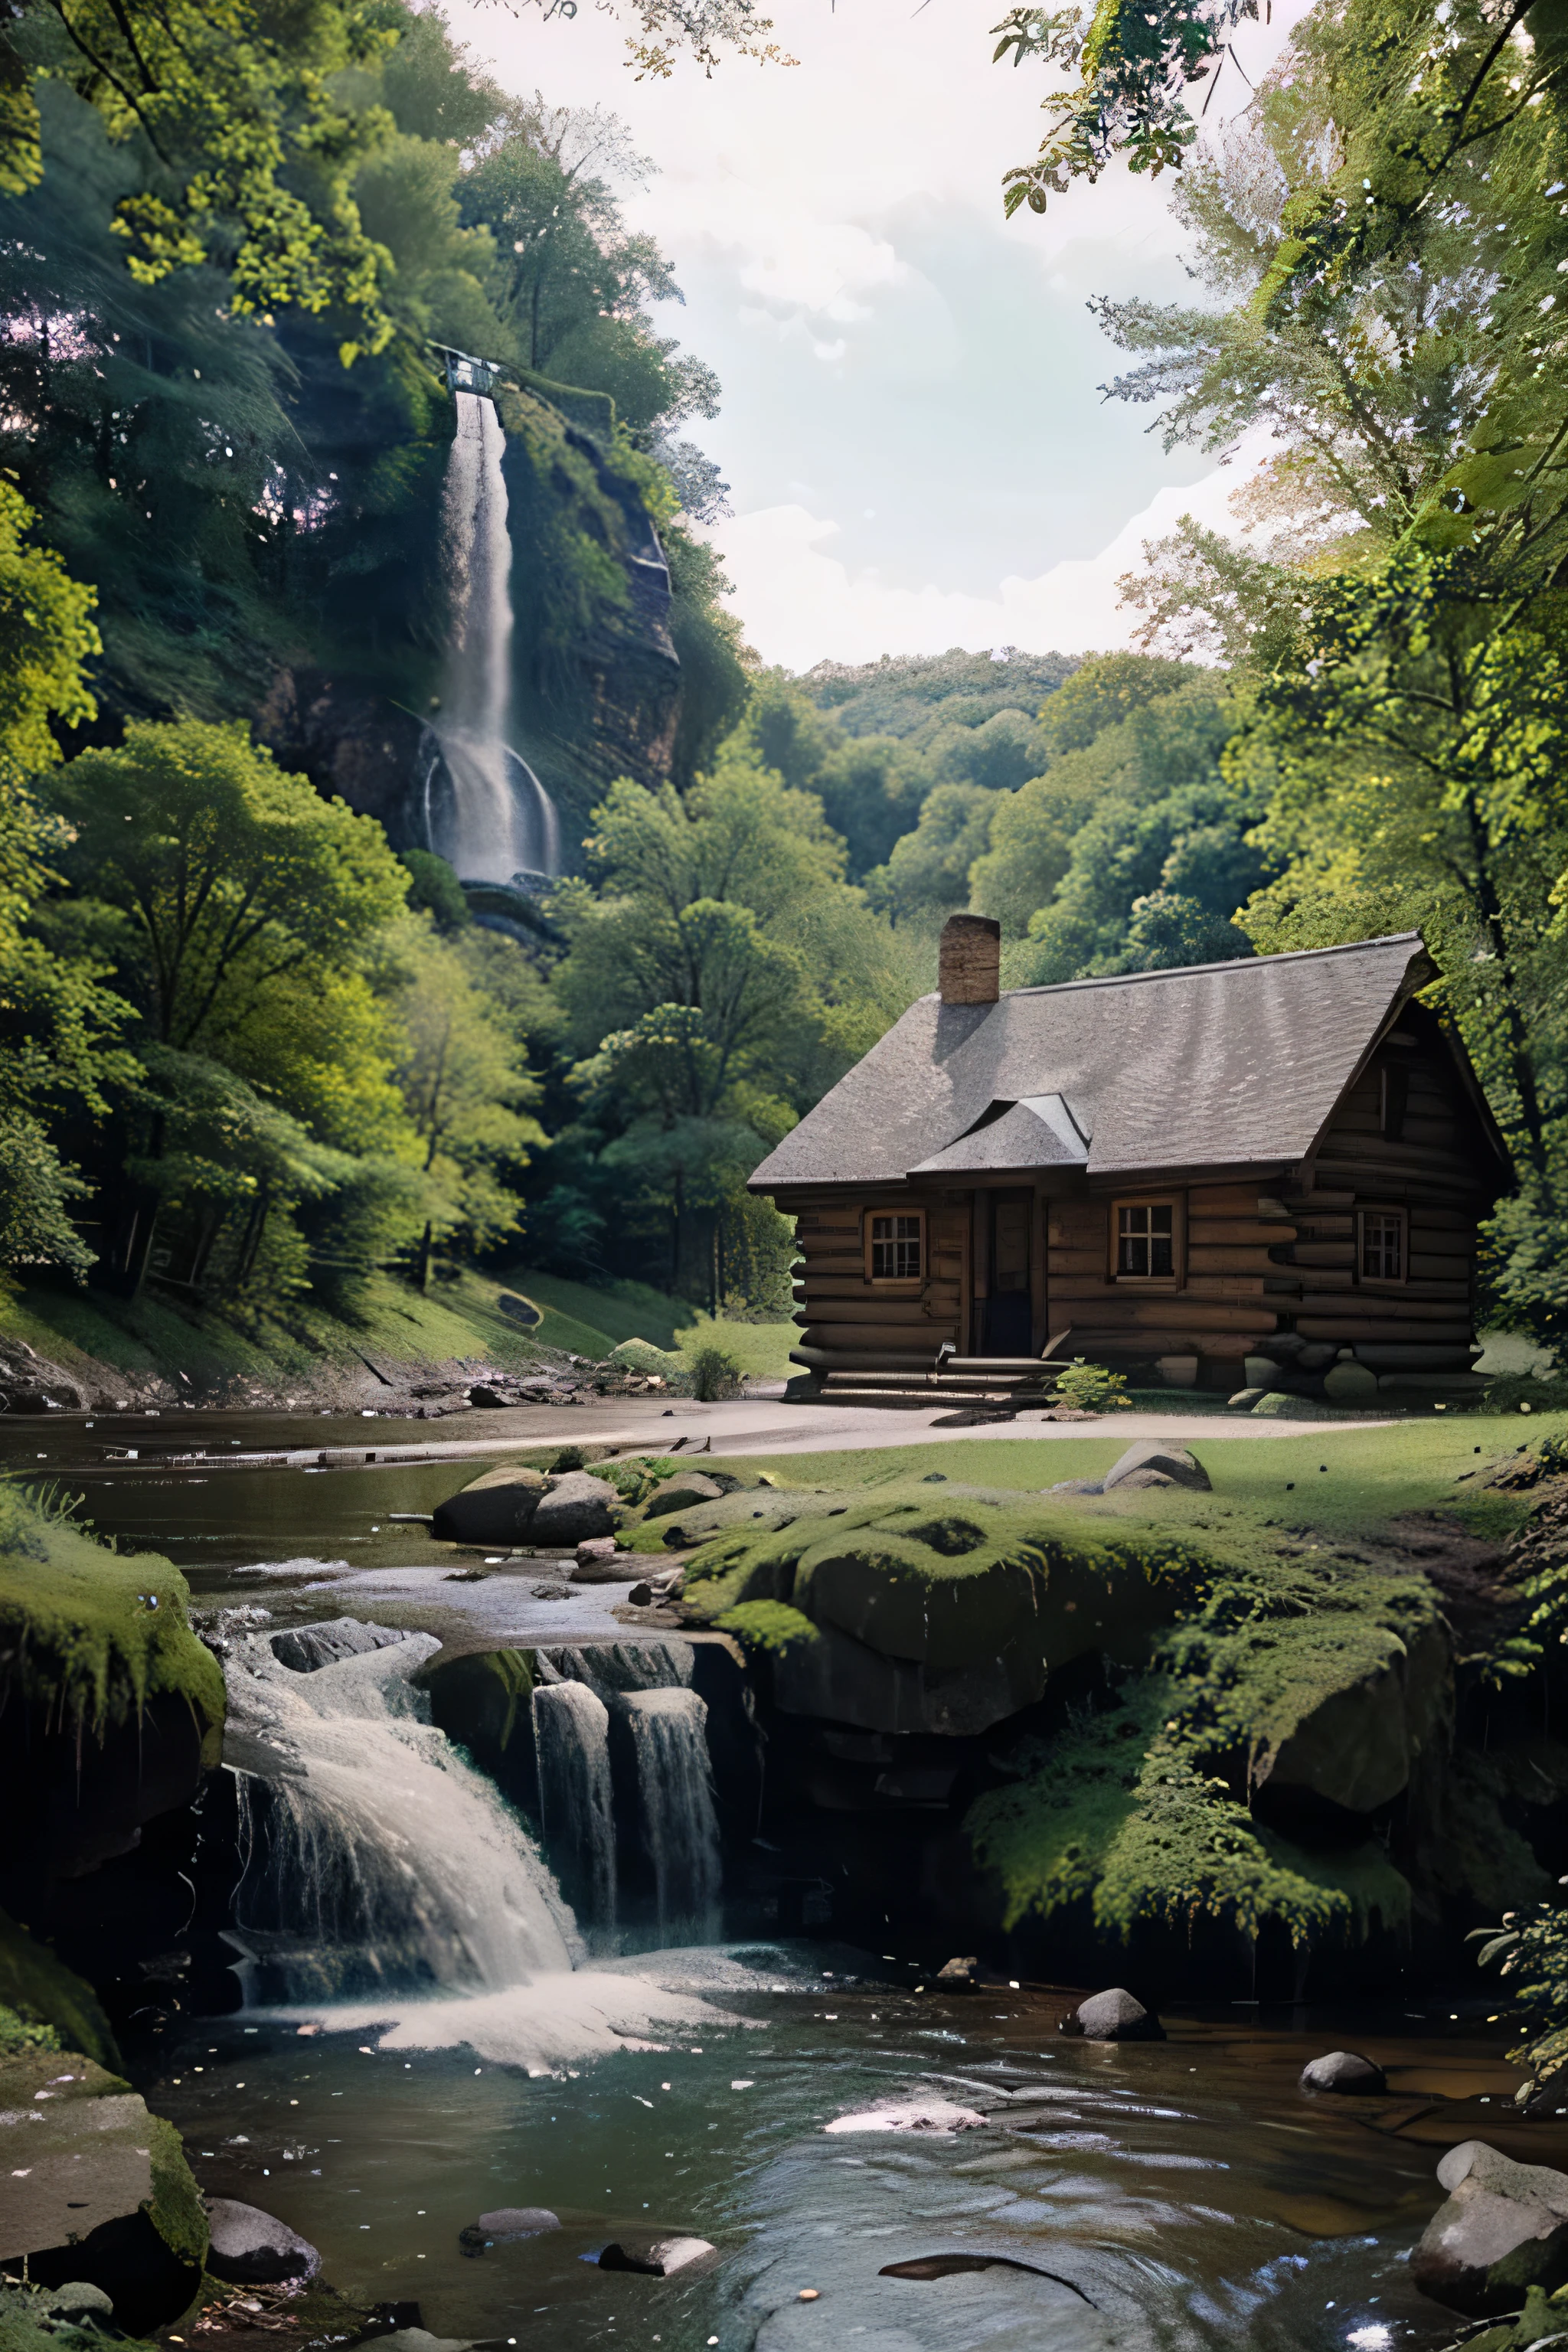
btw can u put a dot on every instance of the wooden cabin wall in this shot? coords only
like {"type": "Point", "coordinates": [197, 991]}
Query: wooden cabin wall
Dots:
{"type": "Point", "coordinates": [1229, 1299]}
{"type": "Point", "coordinates": [840, 1310]}
{"type": "Point", "coordinates": [1282, 1253]}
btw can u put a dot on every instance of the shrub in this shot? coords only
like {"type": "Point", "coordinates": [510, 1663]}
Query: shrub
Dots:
{"type": "Point", "coordinates": [713, 1374]}
{"type": "Point", "coordinates": [1089, 1388]}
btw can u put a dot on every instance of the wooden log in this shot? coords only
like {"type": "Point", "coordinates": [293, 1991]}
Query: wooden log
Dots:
{"type": "Point", "coordinates": [1237, 1233]}
{"type": "Point", "coordinates": [1348, 1329]}
{"type": "Point", "coordinates": [1222, 1285]}
{"type": "Point", "coordinates": [1396, 1306]}
{"type": "Point", "coordinates": [1205, 1257]}
{"type": "Point", "coordinates": [1335, 1252]}
{"type": "Point", "coordinates": [870, 1310]}
{"type": "Point", "coordinates": [1319, 1197]}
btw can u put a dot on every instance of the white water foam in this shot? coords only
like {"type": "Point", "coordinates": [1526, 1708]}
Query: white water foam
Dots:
{"type": "Point", "coordinates": [378, 1853]}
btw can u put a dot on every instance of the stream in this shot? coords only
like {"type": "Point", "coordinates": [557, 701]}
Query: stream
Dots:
{"type": "Point", "coordinates": [429, 2033]}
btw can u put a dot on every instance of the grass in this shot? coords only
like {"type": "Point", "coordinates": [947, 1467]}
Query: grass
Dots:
{"type": "Point", "coordinates": [760, 1350]}
{"type": "Point", "coordinates": [601, 1315]}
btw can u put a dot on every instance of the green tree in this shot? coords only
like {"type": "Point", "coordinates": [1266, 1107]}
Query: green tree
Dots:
{"type": "Point", "coordinates": [465, 1088]}
{"type": "Point", "coordinates": [719, 976]}
{"type": "Point", "coordinates": [57, 1020]}
{"type": "Point", "coordinates": [927, 874]}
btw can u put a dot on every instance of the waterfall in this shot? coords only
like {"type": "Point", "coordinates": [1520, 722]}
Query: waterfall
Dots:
{"type": "Point", "coordinates": [571, 1729]}
{"type": "Point", "coordinates": [675, 1802]}
{"type": "Point", "coordinates": [500, 821]}
{"type": "Point", "coordinates": [377, 1855]}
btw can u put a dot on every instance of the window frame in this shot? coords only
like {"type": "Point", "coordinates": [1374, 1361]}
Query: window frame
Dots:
{"type": "Point", "coordinates": [1177, 1204]}
{"type": "Point", "coordinates": [910, 1281]}
{"type": "Point", "coordinates": [1402, 1216]}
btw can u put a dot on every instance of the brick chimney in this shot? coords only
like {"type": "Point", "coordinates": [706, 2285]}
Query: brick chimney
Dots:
{"type": "Point", "coordinates": [971, 960]}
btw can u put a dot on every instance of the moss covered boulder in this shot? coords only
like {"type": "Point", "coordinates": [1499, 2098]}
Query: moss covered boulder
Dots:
{"type": "Point", "coordinates": [111, 1708]}
{"type": "Point", "coordinates": [937, 1614]}
{"type": "Point", "coordinates": [96, 2188]}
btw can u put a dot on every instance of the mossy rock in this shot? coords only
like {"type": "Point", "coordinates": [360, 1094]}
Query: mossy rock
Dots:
{"type": "Point", "coordinates": [91, 1636]}
{"type": "Point", "coordinates": [45, 2006]}
{"type": "Point", "coordinates": [104, 2192]}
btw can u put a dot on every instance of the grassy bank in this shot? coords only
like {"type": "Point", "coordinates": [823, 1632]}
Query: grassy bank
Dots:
{"type": "Point", "coordinates": [152, 1349]}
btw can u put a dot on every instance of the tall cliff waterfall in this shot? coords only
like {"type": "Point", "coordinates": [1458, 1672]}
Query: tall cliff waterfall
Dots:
{"type": "Point", "coordinates": [501, 821]}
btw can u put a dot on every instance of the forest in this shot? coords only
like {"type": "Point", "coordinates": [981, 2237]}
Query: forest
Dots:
{"type": "Point", "coordinates": [258, 1048]}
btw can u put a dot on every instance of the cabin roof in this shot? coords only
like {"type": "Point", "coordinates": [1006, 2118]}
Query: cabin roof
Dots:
{"type": "Point", "coordinates": [1216, 1065]}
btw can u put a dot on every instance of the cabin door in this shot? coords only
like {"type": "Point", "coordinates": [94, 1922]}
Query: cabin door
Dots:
{"type": "Point", "coordinates": [1009, 1310]}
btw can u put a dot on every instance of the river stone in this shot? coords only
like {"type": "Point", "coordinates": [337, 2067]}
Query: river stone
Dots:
{"type": "Point", "coordinates": [575, 1507]}
{"type": "Point", "coordinates": [497, 1508]}
{"type": "Point", "coordinates": [1343, 2069]}
{"type": "Point", "coordinates": [1114, 2016]}
{"type": "Point", "coordinates": [507, 2223]}
{"type": "Point", "coordinates": [909, 2116]}
{"type": "Point", "coordinates": [1503, 2230]}
{"type": "Point", "coordinates": [597, 1562]}
{"type": "Point", "coordinates": [687, 1487]}
{"type": "Point", "coordinates": [306, 1648]}
{"type": "Point", "coordinates": [1171, 1465]}
{"type": "Point", "coordinates": [655, 2257]}
{"type": "Point", "coordinates": [958, 1975]}
{"type": "Point", "coordinates": [250, 2248]}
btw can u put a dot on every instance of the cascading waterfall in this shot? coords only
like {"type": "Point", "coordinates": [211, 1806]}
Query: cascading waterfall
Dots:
{"type": "Point", "coordinates": [501, 821]}
{"type": "Point", "coordinates": [571, 1734]}
{"type": "Point", "coordinates": [674, 1802]}
{"type": "Point", "coordinates": [377, 1854]}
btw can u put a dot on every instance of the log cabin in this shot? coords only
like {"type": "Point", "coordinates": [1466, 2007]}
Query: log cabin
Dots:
{"type": "Point", "coordinates": [1201, 1177]}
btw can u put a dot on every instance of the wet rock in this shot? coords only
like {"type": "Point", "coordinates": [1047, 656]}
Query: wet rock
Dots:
{"type": "Point", "coordinates": [306, 1648]}
{"type": "Point", "coordinates": [655, 2257]}
{"type": "Point", "coordinates": [250, 2248]}
{"type": "Point", "coordinates": [510, 2221]}
{"type": "Point", "coordinates": [81, 2202]}
{"type": "Point", "coordinates": [1151, 1461]}
{"type": "Point", "coordinates": [1114, 2016]}
{"type": "Point", "coordinates": [497, 1508]}
{"type": "Point", "coordinates": [679, 1493]}
{"type": "Point", "coordinates": [961, 1976]}
{"type": "Point", "coordinates": [909, 2116]}
{"type": "Point", "coordinates": [1345, 2071]}
{"type": "Point", "coordinates": [1503, 2230]}
{"type": "Point", "coordinates": [641, 1595]}
{"type": "Point", "coordinates": [575, 1507]}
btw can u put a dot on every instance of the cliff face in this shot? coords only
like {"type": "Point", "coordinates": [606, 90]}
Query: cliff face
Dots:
{"type": "Point", "coordinates": [596, 680]}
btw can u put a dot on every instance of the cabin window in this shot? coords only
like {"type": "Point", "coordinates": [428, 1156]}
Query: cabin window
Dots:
{"type": "Point", "coordinates": [895, 1245]}
{"type": "Point", "coordinates": [1381, 1254]}
{"type": "Point", "coordinates": [1147, 1236]}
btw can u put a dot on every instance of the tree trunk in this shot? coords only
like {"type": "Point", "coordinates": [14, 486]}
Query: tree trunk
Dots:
{"type": "Point", "coordinates": [423, 1261]}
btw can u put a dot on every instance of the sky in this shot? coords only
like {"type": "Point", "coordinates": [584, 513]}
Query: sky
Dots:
{"type": "Point", "coordinates": [918, 449]}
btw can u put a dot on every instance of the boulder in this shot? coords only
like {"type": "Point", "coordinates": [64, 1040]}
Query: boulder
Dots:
{"type": "Point", "coordinates": [1354, 1744]}
{"type": "Point", "coordinates": [250, 2248]}
{"type": "Point", "coordinates": [1345, 2071]}
{"type": "Point", "coordinates": [497, 1508]}
{"type": "Point", "coordinates": [80, 2301]}
{"type": "Point", "coordinates": [1114, 2016]}
{"type": "Point", "coordinates": [597, 1562]}
{"type": "Point", "coordinates": [1150, 1459]}
{"type": "Point", "coordinates": [97, 2191]}
{"type": "Point", "coordinates": [306, 1648]}
{"type": "Point", "coordinates": [507, 2223]}
{"type": "Point", "coordinates": [679, 1493]}
{"type": "Point", "coordinates": [654, 2257]}
{"type": "Point", "coordinates": [1503, 2230]}
{"type": "Point", "coordinates": [1261, 1372]}
{"type": "Point", "coordinates": [1351, 1384]}
{"type": "Point", "coordinates": [1245, 1400]}
{"type": "Point", "coordinates": [575, 1507]}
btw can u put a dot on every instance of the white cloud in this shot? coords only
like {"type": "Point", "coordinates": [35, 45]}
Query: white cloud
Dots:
{"type": "Point", "coordinates": [882, 334]}
{"type": "Point", "coordinates": [802, 604]}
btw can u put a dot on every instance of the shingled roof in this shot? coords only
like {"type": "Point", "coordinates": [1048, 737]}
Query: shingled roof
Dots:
{"type": "Point", "coordinates": [1216, 1065]}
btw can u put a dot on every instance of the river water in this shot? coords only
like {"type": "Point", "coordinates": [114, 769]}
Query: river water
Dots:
{"type": "Point", "coordinates": [1177, 2194]}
